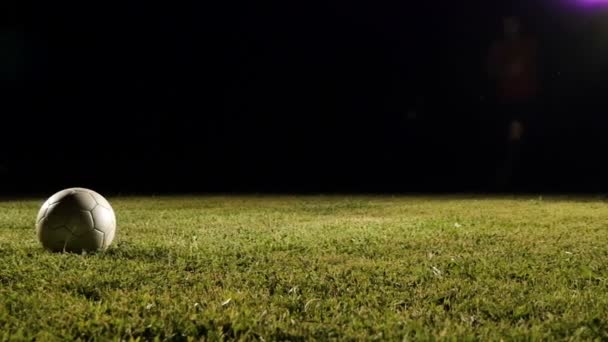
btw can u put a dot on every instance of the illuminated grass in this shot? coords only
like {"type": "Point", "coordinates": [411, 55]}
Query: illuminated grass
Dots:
{"type": "Point", "coordinates": [315, 268]}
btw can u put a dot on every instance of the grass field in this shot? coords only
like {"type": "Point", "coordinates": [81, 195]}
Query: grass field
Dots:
{"type": "Point", "coordinates": [316, 268]}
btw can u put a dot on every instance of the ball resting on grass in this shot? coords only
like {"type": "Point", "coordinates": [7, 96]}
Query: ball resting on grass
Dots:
{"type": "Point", "coordinates": [76, 220]}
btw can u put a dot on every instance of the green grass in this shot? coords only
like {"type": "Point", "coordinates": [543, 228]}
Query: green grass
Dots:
{"type": "Point", "coordinates": [316, 268]}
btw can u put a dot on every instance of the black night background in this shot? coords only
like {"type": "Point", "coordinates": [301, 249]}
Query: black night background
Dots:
{"type": "Point", "coordinates": [322, 96]}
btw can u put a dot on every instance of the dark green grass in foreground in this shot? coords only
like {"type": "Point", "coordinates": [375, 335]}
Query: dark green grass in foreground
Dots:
{"type": "Point", "coordinates": [295, 268]}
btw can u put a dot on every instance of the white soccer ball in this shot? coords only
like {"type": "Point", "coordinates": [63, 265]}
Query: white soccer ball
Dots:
{"type": "Point", "coordinates": [76, 220]}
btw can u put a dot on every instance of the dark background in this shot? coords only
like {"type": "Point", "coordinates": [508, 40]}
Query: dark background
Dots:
{"type": "Point", "coordinates": [316, 96]}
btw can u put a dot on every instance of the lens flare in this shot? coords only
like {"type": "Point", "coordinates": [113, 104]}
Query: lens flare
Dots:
{"type": "Point", "coordinates": [584, 5]}
{"type": "Point", "coordinates": [593, 3]}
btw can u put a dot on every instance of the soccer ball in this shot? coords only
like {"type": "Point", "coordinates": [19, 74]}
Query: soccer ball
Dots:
{"type": "Point", "coordinates": [76, 220]}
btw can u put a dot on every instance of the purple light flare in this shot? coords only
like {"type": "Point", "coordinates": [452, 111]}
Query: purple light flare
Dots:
{"type": "Point", "coordinates": [591, 3]}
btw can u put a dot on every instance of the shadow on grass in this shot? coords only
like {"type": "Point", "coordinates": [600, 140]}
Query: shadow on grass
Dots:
{"type": "Point", "coordinates": [122, 251]}
{"type": "Point", "coordinates": [127, 251]}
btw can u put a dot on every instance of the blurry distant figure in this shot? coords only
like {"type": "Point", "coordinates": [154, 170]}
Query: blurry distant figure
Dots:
{"type": "Point", "coordinates": [512, 66]}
